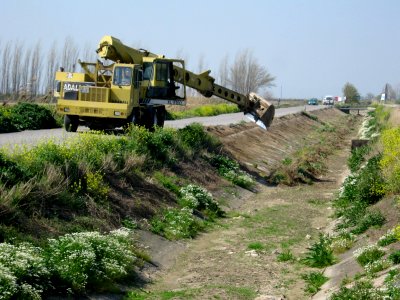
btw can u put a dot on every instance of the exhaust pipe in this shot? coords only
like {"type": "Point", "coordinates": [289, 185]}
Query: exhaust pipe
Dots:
{"type": "Point", "coordinates": [259, 110]}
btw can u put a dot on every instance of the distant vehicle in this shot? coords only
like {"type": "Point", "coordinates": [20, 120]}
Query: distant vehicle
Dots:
{"type": "Point", "coordinates": [313, 101]}
{"type": "Point", "coordinates": [327, 100]}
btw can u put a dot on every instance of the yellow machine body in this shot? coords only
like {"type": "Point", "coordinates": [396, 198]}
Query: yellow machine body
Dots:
{"type": "Point", "coordinates": [135, 89]}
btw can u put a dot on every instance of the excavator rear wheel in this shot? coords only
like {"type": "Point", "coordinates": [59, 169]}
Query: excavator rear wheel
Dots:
{"type": "Point", "coordinates": [161, 113]}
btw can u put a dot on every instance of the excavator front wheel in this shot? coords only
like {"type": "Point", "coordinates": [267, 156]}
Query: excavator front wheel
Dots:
{"type": "Point", "coordinates": [71, 123]}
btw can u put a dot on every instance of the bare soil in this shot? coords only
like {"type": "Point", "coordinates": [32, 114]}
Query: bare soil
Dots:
{"type": "Point", "coordinates": [221, 264]}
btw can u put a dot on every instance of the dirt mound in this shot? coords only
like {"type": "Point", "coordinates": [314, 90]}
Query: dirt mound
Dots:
{"type": "Point", "coordinates": [261, 151]}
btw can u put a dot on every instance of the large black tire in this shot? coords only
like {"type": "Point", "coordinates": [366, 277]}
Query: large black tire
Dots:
{"type": "Point", "coordinates": [71, 123]}
{"type": "Point", "coordinates": [151, 118]}
{"type": "Point", "coordinates": [135, 117]}
{"type": "Point", "coordinates": [161, 114]}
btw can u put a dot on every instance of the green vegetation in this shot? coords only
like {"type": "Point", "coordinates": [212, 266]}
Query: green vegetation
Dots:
{"type": "Point", "coordinates": [69, 264]}
{"type": "Point", "coordinates": [286, 255]}
{"type": "Point", "coordinates": [364, 188]}
{"type": "Point", "coordinates": [390, 162]}
{"type": "Point", "coordinates": [320, 254]}
{"type": "Point", "coordinates": [368, 254]}
{"type": "Point", "coordinates": [361, 290]}
{"type": "Point", "coordinates": [314, 281]}
{"type": "Point", "coordinates": [351, 93]}
{"type": "Point", "coordinates": [176, 224]}
{"type": "Point", "coordinates": [357, 157]}
{"type": "Point", "coordinates": [196, 197]}
{"type": "Point", "coordinates": [387, 239]}
{"type": "Point", "coordinates": [215, 291]}
{"type": "Point", "coordinates": [258, 246]}
{"type": "Point", "coordinates": [204, 111]}
{"type": "Point", "coordinates": [230, 169]}
{"type": "Point", "coordinates": [358, 192]}
{"type": "Point", "coordinates": [26, 116]}
{"type": "Point", "coordinates": [342, 241]}
{"type": "Point", "coordinates": [395, 257]}
{"type": "Point", "coordinates": [53, 193]}
{"type": "Point", "coordinates": [181, 223]}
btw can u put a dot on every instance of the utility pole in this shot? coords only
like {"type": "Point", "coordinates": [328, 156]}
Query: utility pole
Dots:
{"type": "Point", "coordinates": [386, 92]}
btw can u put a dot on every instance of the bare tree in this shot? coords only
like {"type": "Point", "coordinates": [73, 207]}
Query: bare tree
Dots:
{"type": "Point", "coordinates": [35, 70]}
{"type": "Point", "coordinates": [369, 96]}
{"type": "Point", "coordinates": [200, 68]}
{"type": "Point", "coordinates": [5, 69]}
{"type": "Point", "coordinates": [51, 68]}
{"type": "Point", "coordinates": [25, 73]}
{"type": "Point", "coordinates": [180, 54]}
{"type": "Point", "coordinates": [16, 68]}
{"type": "Point", "coordinates": [1, 86]}
{"type": "Point", "coordinates": [70, 55]}
{"type": "Point", "coordinates": [89, 53]}
{"type": "Point", "coordinates": [247, 75]}
{"type": "Point", "coordinates": [223, 72]}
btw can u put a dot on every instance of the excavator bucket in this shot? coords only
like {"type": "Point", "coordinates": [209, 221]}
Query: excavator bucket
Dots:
{"type": "Point", "coordinates": [259, 111]}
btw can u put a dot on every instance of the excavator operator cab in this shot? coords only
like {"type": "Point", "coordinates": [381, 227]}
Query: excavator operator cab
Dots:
{"type": "Point", "coordinates": [122, 76]}
{"type": "Point", "coordinates": [159, 75]}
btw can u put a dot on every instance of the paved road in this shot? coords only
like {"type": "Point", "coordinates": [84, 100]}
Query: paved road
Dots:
{"type": "Point", "coordinates": [34, 136]}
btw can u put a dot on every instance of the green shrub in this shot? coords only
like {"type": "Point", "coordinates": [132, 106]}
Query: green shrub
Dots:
{"type": "Point", "coordinates": [176, 224]}
{"type": "Point", "coordinates": [6, 122]}
{"type": "Point", "coordinates": [370, 219]}
{"type": "Point", "coordinates": [90, 258]}
{"type": "Point", "coordinates": [387, 239]}
{"type": "Point", "coordinates": [390, 163]}
{"type": "Point", "coordinates": [256, 246]}
{"type": "Point", "coordinates": [342, 241]}
{"type": "Point", "coordinates": [196, 197]}
{"type": "Point", "coordinates": [160, 145]}
{"type": "Point", "coordinates": [286, 255]}
{"type": "Point", "coordinates": [361, 290]}
{"type": "Point", "coordinates": [10, 171]}
{"type": "Point", "coordinates": [230, 169]}
{"type": "Point", "coordinates": [357, 157]}
{"type": "Point", "coordinates": [167, 182]}
{"type": "Point", "coordinates": [196, 138]}
{"type": "Point", "coordinates": [377, 266]}
{"type": "Point", "coordinates": [320, 254]}
{"type": "Point", "coordinates": [366, 186]}
{"type": "Point", "coordinates": [395, 257]}
{"type": "Point", "coordinates": [370, 185]}
{"type": "Point", "coordinates": [368, 254]}
{"type": "Point", "coordinates": [358, 192]}
{"type": "Point", "coordinates": [32, 116]}
{"type": "Point", "coordinates": [314, 281]}
{"type": "Point", "coordinates": [23, 272]}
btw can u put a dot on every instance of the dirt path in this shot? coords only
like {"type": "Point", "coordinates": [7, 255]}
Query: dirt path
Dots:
{"type": "Point", "coordinates": [221, 265]}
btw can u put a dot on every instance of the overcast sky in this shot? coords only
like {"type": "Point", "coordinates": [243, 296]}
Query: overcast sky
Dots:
{"type": "Point", "coordinates": [312, 47]}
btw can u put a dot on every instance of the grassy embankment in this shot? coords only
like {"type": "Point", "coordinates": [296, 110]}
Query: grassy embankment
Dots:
{"type": "Point", "coordinates": [366, 203]}
{"type": "Point", "coordinates": [61, 204]}
{"type": "Point", "coordinates": [269, 228]}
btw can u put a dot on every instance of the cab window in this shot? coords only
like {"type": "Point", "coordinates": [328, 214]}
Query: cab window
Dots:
{"type": "Point", "coordinates": [162, 71]}
{"type": "Point", "coordinates": [147, 71]}
{"type": "Point", "coordinates": [122, 76]}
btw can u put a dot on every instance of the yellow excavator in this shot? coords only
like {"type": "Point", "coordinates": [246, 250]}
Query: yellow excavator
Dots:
{"type": "Point", "coordinates": [135, 87]}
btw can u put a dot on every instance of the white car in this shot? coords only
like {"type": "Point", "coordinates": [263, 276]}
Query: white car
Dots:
{"type": "Point", "coordinates": [327, 100]}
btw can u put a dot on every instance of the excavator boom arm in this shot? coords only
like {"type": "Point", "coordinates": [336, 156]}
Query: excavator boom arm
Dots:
{"type": "Point", "coordinates": [259, 108]}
